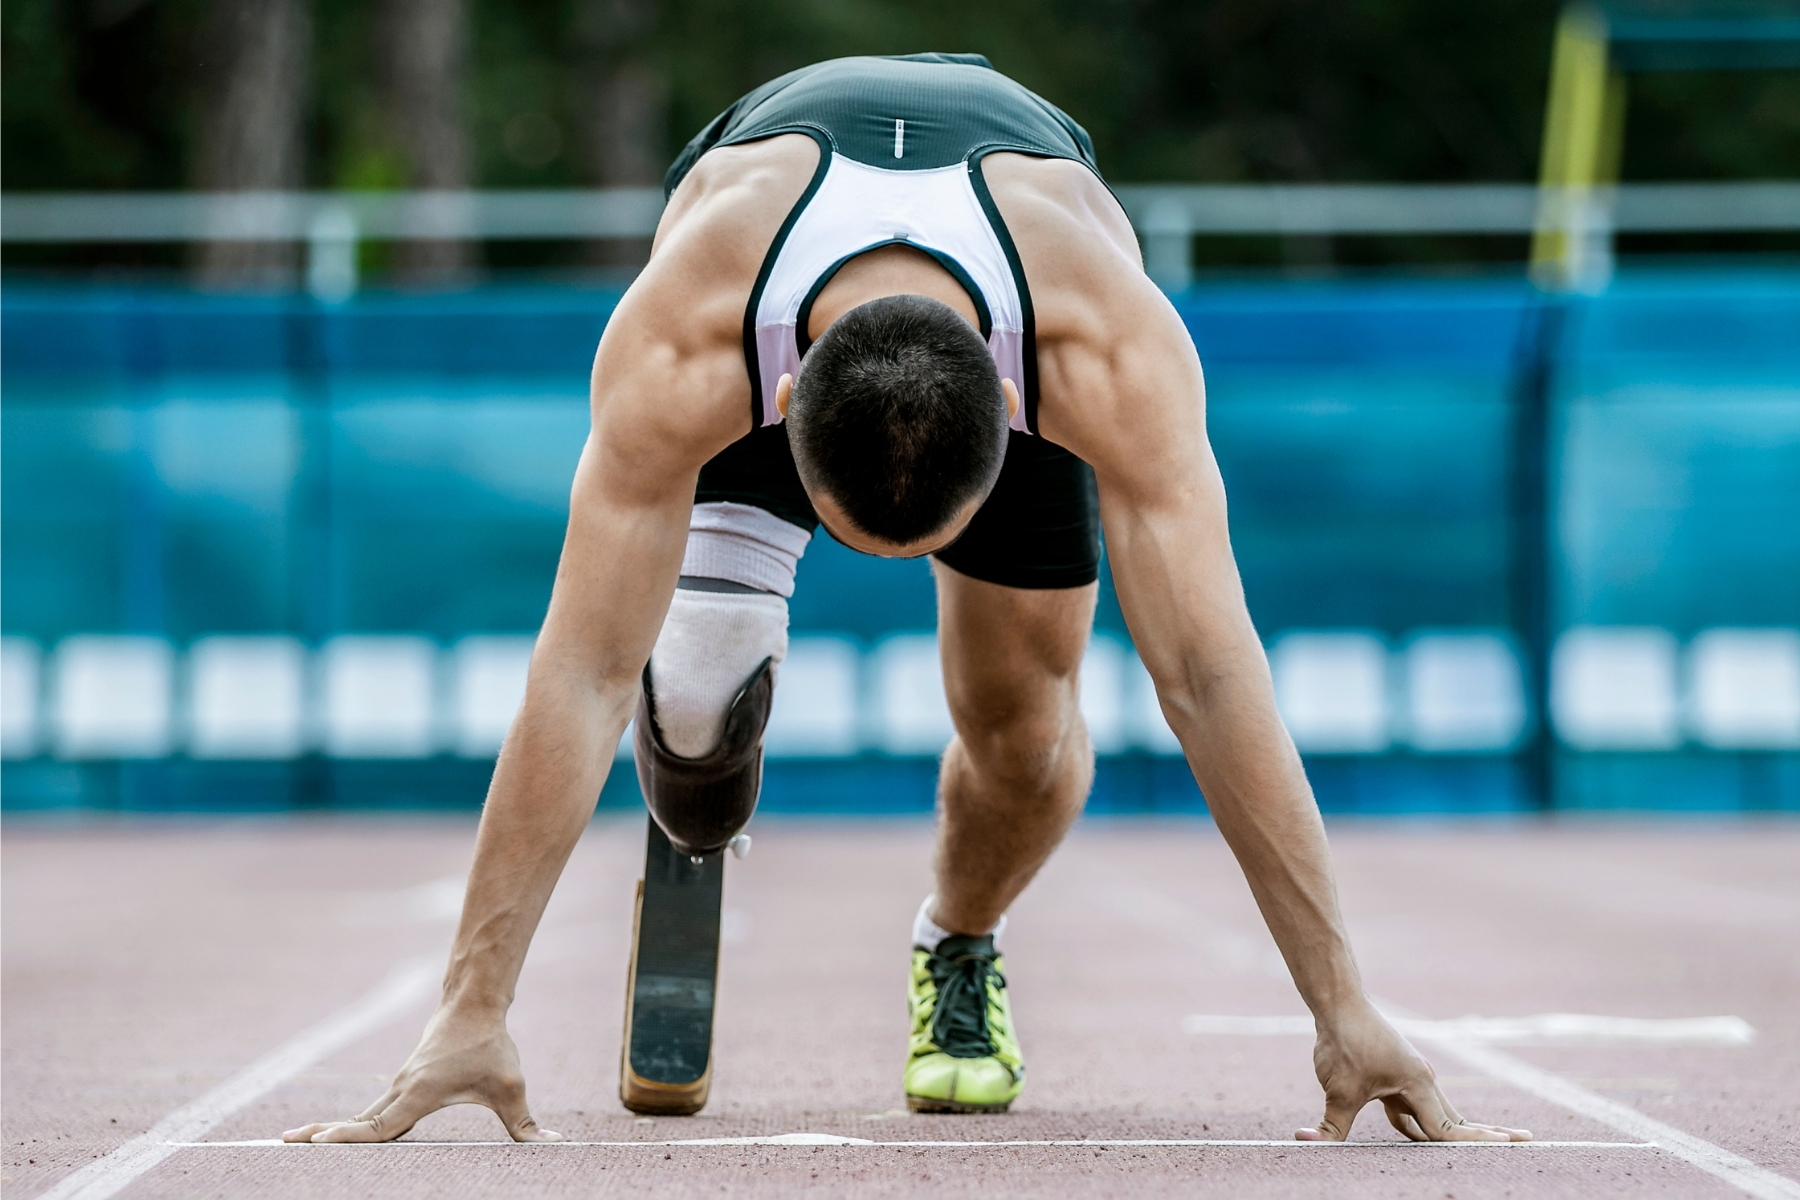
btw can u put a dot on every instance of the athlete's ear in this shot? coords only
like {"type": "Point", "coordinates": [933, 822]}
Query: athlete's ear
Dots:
{"type": "Point", "coordinates": [1012, 398]}
{"type": "Point", "coordinates": [784, 387]}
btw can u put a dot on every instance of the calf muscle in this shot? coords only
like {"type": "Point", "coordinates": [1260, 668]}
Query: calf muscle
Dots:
{"type": "Point", "coordinates": [1018, 771]}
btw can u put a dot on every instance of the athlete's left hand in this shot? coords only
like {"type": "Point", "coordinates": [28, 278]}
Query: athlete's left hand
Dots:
{"type": "Point", "coordinates": [1359, 1057]}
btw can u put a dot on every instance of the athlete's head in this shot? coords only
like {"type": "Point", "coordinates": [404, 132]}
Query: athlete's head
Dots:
{"type": "Point", "coordinates": [898, 424]}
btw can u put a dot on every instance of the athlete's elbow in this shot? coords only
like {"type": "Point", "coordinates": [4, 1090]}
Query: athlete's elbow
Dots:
{"type": "Point", "coordinates": [1193, 691]}
{"type": "Point", "coordinates": [600, 689]}
{"type": "Point", "coordinates": [1182, 698]}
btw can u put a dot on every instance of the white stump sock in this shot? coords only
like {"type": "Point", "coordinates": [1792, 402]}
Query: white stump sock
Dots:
{"type": "Point", "coordinates": [927, 933]}
{"type": "Point", "coordinates": [709, 645]}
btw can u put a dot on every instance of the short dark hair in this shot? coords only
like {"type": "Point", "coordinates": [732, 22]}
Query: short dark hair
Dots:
{"type": "Point", "coordinates": [898, 415]}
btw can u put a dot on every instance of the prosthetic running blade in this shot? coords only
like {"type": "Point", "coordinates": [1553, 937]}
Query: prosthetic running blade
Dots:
{"type": "Point", "coordinates": [667, 1059]}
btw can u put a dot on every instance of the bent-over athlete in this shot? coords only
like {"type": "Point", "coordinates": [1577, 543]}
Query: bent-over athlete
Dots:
{"type": "Point", "coordinates": [893, 297]}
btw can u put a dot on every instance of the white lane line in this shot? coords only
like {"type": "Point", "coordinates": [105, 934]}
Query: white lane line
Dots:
{"type": "Point", "coordinates": [1734, 1169]}
{"type": "Point", "coordinates": [826, 1139]}
{"type": "Point", "coordinates": [1497, 1064]}
{"type": "Point", "coordinates": [409, 984]}
{"type": "Point", "coordinates": [1554, 1029]}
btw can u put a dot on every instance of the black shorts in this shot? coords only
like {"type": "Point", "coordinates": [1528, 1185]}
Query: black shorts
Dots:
{"type": "Point", "coordinates": [1040, 526]}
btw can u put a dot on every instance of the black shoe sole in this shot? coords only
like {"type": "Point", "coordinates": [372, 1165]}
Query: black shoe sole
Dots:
{"type": "Point", "coordinates": [920, 1104]}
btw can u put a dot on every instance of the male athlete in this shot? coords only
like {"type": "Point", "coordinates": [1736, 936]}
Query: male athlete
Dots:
{"type": "Point", "coordinates": [893, 297]}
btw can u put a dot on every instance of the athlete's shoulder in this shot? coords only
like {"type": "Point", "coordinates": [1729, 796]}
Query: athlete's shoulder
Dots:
{"type": "Point", "coordinates": [669, 374]}
{"type": "Point", "coordinates": [1100, 322]}
{"type": "Point", "coordinates": [1068, 182]}
{"type": "Point", "coordinates": [729, 207]}
{"type": "Point", "coordinates": [1068, 227]}
{"type": "Point", "coordinates": [711, 242]}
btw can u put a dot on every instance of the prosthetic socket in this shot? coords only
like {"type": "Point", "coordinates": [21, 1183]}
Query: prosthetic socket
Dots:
{"type": "Point", "coordinates": [702, 803]}
{"type": "Point", "coordinates": [710, 680]}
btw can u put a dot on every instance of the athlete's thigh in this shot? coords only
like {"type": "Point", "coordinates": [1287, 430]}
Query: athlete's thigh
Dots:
{"type": "Point", "coordinates": [1010, 654]}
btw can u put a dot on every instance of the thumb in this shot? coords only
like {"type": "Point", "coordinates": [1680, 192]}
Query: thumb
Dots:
{"type": "Point", "coordinates": [1340, 1114]}
{"type": "Point", "coordinates": [509, 1106]}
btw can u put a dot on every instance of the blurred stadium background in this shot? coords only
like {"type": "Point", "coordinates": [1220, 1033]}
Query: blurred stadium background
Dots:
{"type": "Point", "coordinates": [300, 299]}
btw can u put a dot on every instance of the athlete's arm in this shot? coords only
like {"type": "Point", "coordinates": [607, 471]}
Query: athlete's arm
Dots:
{"type": "Point", "coordinates": [1123, 388]}
{"type": "Point", "coordinates": [669, 391]}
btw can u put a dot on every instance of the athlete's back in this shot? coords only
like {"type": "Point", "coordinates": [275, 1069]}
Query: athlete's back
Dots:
{"type": "Point", "coordinates": [905, 112]}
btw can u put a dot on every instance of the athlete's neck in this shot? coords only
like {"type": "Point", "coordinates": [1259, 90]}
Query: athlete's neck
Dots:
{"type": "Point", "coordinates": [887, 271]}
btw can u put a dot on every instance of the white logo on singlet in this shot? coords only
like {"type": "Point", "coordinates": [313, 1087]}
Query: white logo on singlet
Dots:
{"type": "Point", "coordinates": [899, 138]}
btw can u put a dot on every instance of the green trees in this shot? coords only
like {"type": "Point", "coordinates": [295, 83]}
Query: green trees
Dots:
{"type": "Point", "coordinates": [125, 93]}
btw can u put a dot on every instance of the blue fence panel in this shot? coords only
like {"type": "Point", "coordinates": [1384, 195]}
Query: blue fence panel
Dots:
{"type": "Point", "coordinates": [1681, 452]}
{"type": "Point", "coordinates": [185, 465]}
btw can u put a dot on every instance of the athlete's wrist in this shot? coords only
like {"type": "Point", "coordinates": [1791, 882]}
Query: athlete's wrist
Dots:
{"type": "Point", "coordinates": [474, 1005]}
{"type": "Point", "coordinates": [1332, 986]}
{"type": "Point", "coordinates": [1344, 1011]}
{"type": "Point", "coordinates": [476, 990]}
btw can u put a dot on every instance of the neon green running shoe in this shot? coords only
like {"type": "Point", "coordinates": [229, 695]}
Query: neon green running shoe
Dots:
{"type": "Point", "coordinates": [965, 1056]}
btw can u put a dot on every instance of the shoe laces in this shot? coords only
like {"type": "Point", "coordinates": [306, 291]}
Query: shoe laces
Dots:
{"type": "Point", "coordinates": [962, 968]}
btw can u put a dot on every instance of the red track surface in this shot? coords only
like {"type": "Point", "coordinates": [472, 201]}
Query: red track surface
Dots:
{"type": "Point", "coordinates": [147, 963]}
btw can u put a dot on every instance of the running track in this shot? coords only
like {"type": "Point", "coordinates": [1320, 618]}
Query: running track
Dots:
{"type": "Point", "coordinates": [176, 985]}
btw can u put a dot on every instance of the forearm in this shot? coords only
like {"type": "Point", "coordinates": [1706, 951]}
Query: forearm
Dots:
{"type": "Point", "coordinates": [1254, 785]}
{"type": "Point", "coordinates": [545, 785]}
{"type": "Point", "coordinates": [628, 515]}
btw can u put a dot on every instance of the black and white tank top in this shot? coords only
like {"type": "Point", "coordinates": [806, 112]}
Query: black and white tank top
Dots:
{"type": "Point", "coordinates": [900, 148]}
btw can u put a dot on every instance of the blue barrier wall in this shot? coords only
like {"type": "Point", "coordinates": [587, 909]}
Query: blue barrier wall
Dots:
{"type": "Point", "coordinates": [179, 465]}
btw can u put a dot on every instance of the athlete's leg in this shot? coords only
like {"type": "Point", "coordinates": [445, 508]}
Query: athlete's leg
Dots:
{"type": "Point", "coordinates": [1018, 770]}
{"type": "Point", "coordinates": [698, 742]}
{"type": "Point", "coordinates": [710, 680]}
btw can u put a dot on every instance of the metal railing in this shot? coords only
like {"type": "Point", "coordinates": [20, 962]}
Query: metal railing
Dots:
{"type": "Point", "coordinates": [1167, 216]}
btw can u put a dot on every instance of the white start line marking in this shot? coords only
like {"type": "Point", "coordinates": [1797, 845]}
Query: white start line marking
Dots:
{"type": "Point", "coordinates": [827, 1139]}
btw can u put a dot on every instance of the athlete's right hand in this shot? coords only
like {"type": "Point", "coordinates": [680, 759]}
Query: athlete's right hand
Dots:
{"type": "Point", "coordinates": [460, 1059]}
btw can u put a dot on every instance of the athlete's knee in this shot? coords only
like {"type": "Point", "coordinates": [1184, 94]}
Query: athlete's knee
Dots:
{"type": "Point", "coordinates": [1024, 731]}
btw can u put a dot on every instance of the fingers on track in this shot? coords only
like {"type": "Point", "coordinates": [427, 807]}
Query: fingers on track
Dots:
{"type": "Point", "coordinates": [1402, 1120]}
{"type": "Point", "coordinates": [396, 1113]}
{"type": "Point", "coordinates": [509, 1105]}
{"type": "Point", "coordinates": [1425, 1109]}
{"type": "Point", "coordinates": [1340, 1115]}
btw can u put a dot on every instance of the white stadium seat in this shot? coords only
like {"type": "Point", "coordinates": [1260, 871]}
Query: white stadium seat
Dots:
{"type": "Point", "coordinates": [816, 712]}
{"type": "Point", "coordinates": [907, 713]}
{"type": "Point", "coordinates": [21, 665]}
{"type": "Point", "coordinates": [1464, 692]}
{"type": "Point", "coordinates": [1744, 689]}
{"type": "Point", "coordinates": [246, 697]}
{"type": "Point", "coordinates": [1103, 701]}
{"type": "Point", "coordinates": [111, 697]}
{"type": "Point", "coordinates": [395, 696]}
{"type": "Point", "coordinates": [487, 686]}
{"type": "Point", "coordinates": [379, 694]}
{"type": "Point", "coordinates": [1332, 691]}
{"type": "Point", "coordinates": [1613, 688]}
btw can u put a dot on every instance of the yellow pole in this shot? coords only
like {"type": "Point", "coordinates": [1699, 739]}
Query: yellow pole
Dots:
{"type": "Point", "coordinates": [1583, 123]}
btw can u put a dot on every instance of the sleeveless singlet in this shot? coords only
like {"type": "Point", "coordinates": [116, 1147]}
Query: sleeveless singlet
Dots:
{"type": "Point", "coordinates": [900, 146]}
